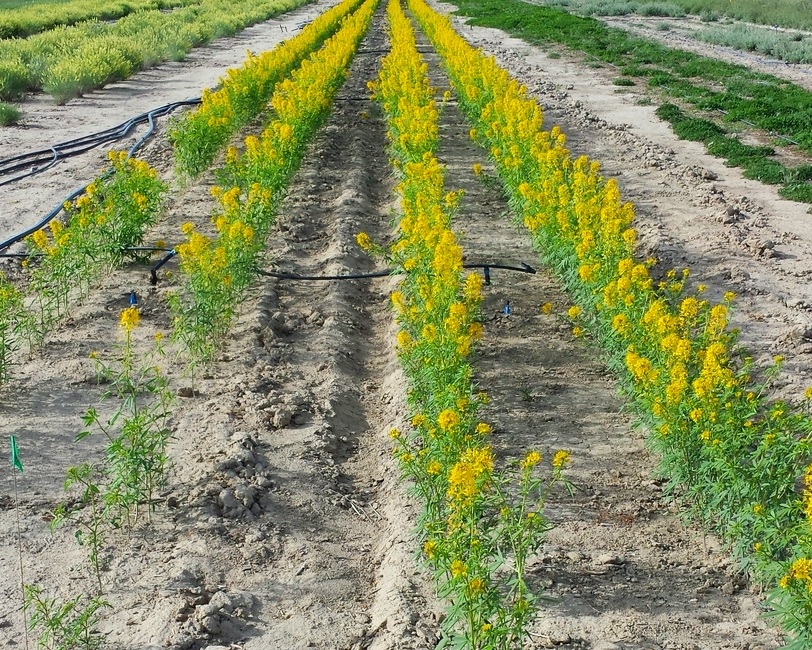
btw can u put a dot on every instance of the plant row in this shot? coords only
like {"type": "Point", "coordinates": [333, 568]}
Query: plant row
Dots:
{"type": "Point", "coordinates": [66, 62]}
{"type": "Point", "coordinates": [479, 524]}
{"type": "Point", "coordinates": [217, 270]}
{"type": "Point", "coordinates": [69, 256]}
{"type": "Point", "coordinates": [741, 96]}
{"type": "Point", "coordinates": [28, 20]}
{"type": "Point", "coordinates": [244, 92]}
{"type": "Point", "coordinates": [732, 456]}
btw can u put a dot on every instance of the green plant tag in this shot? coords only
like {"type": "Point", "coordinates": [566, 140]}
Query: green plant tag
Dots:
{"type": "Point", "coordinates": [16, 463]}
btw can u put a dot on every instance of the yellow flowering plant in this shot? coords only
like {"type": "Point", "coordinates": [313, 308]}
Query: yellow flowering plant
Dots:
{"type": "Point", "coordinates": [479, 523]}
{"type": "Point", "coordinates": [137, 432]}
{"type": "Point", "coordinates": [243, 93]}
{"type": "Point", "coordinates": [217, 270]}
{"type": "Point", "coordinates": [108, 218]}
{"type": "Point", "coordinates": [731, 455]}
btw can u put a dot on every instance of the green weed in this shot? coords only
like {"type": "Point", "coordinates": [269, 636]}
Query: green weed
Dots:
{"type": "Point", "coordinates": [64, 626]}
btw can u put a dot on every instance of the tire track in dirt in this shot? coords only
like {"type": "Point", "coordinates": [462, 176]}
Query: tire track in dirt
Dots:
{"type": "Point", "coordinates": [623, 570]}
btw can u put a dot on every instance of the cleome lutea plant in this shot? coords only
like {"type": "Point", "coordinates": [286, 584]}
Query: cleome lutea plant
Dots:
{"type": "Point", "coordinates": [69, 257]}
{"type": "Point", "coordinates": [115, 493]}
{"type": "Point", "coordinates": [217, 270]}
{"type": "Point", "coordinates": [480, 524]}
{"type": "Point", "coordinates": [111, 494]}
{"type": "Point", "coordinates": [733, 456]}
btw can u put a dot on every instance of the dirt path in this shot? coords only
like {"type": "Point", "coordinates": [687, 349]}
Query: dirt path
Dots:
{"type": "Point", "coordinates": [284, 524]}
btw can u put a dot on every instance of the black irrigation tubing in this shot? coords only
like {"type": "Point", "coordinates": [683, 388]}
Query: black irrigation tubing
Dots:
{"type": "Point", "coordinates": [36, 162]}
{"type": "Point", "coordinates": [153, 272]}
{"type": "Point", "coordinates": [524, 268]}
{"type": "Point", "coordinates": [74, 148]}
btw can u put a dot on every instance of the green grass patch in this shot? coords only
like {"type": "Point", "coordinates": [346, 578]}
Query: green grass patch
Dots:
{"type": "Point", "coordinates": [755, 161]}
{"type": "Point", "coordinates": [623, 81]}
{"type": "Point", "coordinates": [9, 114]}
{"type": "Point", "coordinates": [19, 4]}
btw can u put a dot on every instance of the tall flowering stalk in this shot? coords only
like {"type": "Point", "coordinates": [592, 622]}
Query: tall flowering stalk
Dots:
{"type": "Point", "coordinates": [477, 520]}
{"type": "Point", "coordinates": [13, 324]}
{"type": "Point", "coordinates": [732, 456]}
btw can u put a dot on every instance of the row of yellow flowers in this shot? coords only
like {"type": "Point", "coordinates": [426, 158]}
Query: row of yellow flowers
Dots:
{"type": "Point", "coordinates": [71, 255]}
{"type": "Point", "coordinates": [244, 92]}
{"type": "Point", "coordinates": [479, 524]}
{"type": "Point", "coordinates": [219, 269]}
{"type": "Point", "coordinates": [732, 456]}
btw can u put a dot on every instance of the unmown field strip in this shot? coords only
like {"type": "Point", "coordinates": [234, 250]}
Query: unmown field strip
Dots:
{"type": "Point", "coordinates": [734, 457]}
{"type": "Point", "coordinates": [25, 21]}
{"type": "Point", "coordinates": [66, 62]}
{"type": "Point", "coordinates": [753, 101]}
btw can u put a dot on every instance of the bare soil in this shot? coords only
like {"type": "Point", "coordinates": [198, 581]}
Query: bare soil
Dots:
{"type": "Point", "coordinates": [284, 523]}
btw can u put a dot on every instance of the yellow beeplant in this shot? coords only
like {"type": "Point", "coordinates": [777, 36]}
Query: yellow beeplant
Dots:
{"type": "Point", "coordinates": [732, 456]}
{"type": "Point", "coordinates": [480, 523]}
{"type": "Point", "coordinates": [217, 270]}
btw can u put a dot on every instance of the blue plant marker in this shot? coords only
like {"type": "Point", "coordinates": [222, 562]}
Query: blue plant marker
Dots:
{"type": "Point", "coordinates": [506, 310]}
{"type": "Point", "coordinates": [133, 299]}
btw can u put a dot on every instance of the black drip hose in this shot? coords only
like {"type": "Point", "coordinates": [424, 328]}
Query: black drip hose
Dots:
{"type": "Point", "coordinates": [524, 268]}
{"type": "Point", "coordinates": [153, 272]}
{"type": "Point", "coordinates": [36, 162]}
{"type": "Point", "coordinates": [75, 147]}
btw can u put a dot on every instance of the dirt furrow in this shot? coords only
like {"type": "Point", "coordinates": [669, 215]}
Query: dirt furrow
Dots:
{"type": "Point", "coordinates": [622, 569]}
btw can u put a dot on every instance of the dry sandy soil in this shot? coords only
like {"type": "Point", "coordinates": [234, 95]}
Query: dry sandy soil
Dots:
{"type": "Point", "coordinates": [283, 524]}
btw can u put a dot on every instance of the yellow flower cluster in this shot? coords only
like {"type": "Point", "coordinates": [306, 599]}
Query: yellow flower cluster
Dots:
{"type": "Point", "coordinates": [244, 92]}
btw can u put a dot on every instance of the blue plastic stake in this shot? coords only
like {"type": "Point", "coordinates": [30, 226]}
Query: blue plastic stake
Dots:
{"type": "Point", "coordinates": [133, 299]}
{"type": "Point", "coordinates": [506, 310]}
